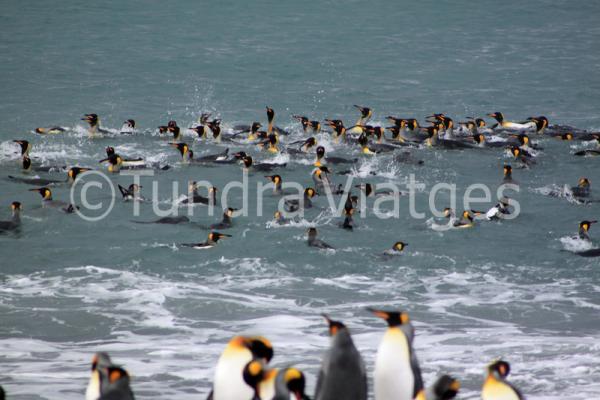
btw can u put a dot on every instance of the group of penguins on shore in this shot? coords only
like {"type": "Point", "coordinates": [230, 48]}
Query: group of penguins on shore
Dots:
{"type": "Point", "coordinates": [242, 371]}
{"type": "Point", "coordinates": [406, 133]}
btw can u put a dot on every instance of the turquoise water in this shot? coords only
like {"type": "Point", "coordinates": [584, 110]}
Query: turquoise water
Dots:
{"type": "Point", "coordinates": [71, 287]}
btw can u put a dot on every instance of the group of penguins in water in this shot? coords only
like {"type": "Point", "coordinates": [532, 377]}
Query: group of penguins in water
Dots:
{"type": "Point", "coordinates": [442, 132]}
{"type": "Point", "coordinates": [243, 372]}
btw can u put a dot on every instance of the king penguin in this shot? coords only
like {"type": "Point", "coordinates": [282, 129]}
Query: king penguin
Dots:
{"type": "Point", "coordinates": [99, 379]}
{"type": "Point", "coordinates": [229, 382]}
{"type": "Point", "coordinates": [495, 386]}
{"type": "Point", "coordinates": [343, 374]}
{"type": "Point", "coordinates": [397, 373]}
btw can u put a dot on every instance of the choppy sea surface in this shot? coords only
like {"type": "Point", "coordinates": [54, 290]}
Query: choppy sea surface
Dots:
{"type": "Point", "coordinates": [513, 289]}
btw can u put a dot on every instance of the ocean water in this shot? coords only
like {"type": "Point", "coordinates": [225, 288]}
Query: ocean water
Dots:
{"type": "Point", "coordinates": [514, 289]}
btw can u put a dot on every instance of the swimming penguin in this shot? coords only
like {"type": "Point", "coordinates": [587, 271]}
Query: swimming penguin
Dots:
{"type": "Point", "coordinates": [365, 115]}
{"type": "Point", "coordinates": [305, 146]}
{"type": "Point", "coordinates": [218, 158]}
{"type": "Point", "coordinates": [15, 222]}
{"type": "Point", "coordinates": [200, 130]}
{"type": "Point", "coordinates": [180, 219]}
{"type": "Point", "coordinates": [99, 378]}
{"type": "Point", "coordinates": [322, 159]}
{"type": "Point", "coordinates": [541, 123]}
{"type": "Point", "coordinates": [499, 211]}
{"type": "Point", "coordinates": [165, 128]}
{"type": "Point", "coordinates": [396, 250]}
{"type": "Point", "coordinates": [176, 132]}
{"type": "Point", "coordinates": [211, 241]}
{"type": "Point", "coordinates": [227, 221]}
{"type": "Point", "coordinates": [363, 141]}
{"type": "Point", "coordinates": [303, 121]}
{"type": "Point", "coordinates": [293, 204]}
{"type": "Point", "coordinates": [444, 388]}
{"type": "Point", "coordinates": [24, 145]}
{"type": "Point", "coordinates": [128, 127]}
{"type": "Point", "coordinates": [339, 131]}
{"type": "Point", "coordinates": [495, 386]}
{"type": "Point", "coordinates": [343, 374]}
{"type": "Point", "coordinates": [131, 193]}
{"type": "Point", "coordinates": [271, 128]}
{"type": "Point", "coordinates": [270, 144]}
{"type": "Point", "coordinates": [466, 221]}
{"type": "Point", "coordinates": [115, 162]}
{"type": "Point", "coordinates": [94, 123]}
{"type": "Point", "coordinates": [277, 185]}
{"type": "Point", "coordinates": [229, 381]}
{"type": "Point", "coordinates": [513, 126]}
{"type": "Point", "coordinates": [369, 191]}
{"type": "Point", "coordinates": [584, 228]}
{"type": "Point", "coordinates": [52, 130]}
{"type": "Point", "coordinates": [582, 189]}
{"type": "Point", "coordinates": [262, 167]}
{"type": "Point", "coordinates": [507, 171]}
{"type": "Point", "coordinates": [196, 198]}
{"type": "Point", "coordinates": [519, 155]}
{"type": "Point", "coordinates": [279, 219]}
{"type": "Point", "coordinates": [314, 242]}
{"type": "Point", "coordinates": [480, 141]}
{"type": "Point", "coordinates": [27, 166]}
{"type": "Point", "coordinates": [118, 385]}
{"type": "Point", "coordinates": [320, 177]}
{"type": "Point", "coordinates": [184, 151]}
{"type": "Point", "coordinates": [589, 152]}
{"type": "Point", "coordinates": [348, 223]}
{"type": "Point", "coordinates": [215, 128]}
{"type": "Point", "coordinates": [433, 140]}
{"type": "Point", "coordinates": [126, 162]}
{"type": "Point", "coordinates": [72, 174]}
{"type": "Point", "coordinates": [47, 200]}
{"type": "Point", "coordinates": [397, 374]}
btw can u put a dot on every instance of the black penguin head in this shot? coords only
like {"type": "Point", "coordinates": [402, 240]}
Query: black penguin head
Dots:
{"type": "Point", "coordinates": [365, 112]}
{"type": "Point", "coordinates": [320, 151]}
{"type": "Point", "coordinates": [446, 387]}
{"type": "Point", "coordinates": [26, 162]}
{"type": "Point", "coordinates": [586, 225]}
{"type": "Point", "coordinates": [334, 326]}
{"type": "Point", "coordinates": [229, 212]}
{"type": "Point", "coordinates": [171, 124]}
{"type": "Point", "coordinates": [566, 136]}
{"type": "Point", "coordinates": [204, 118]}
{"type": "Point", "coordinates": [100, 360]}
{"type": "Point", "coordinates": [91, 119]}
{"type": "Point", "coordinates": [24, 144]}
{"type": "Point", "coordinates": [310, 193]}
{"type": "Point", "coordinates": [295, 382]}
{"type": "Point", "coordinates": [15, 205]}
{"type": "Point", "coordinates": [499, 369]}
{"type": "Point", "coordinates": [507, 170]}
{"type": "Point", "coordinates": [312, 233]}
{"type": "Point", "coordinates": [362, 140]}
{"type": "Point", "coordinates": [515, 151]}
{"type": "Point", "coordinates": [412, 124]}
{"type": "Point", "coordinates": [498, 116]}
{"type": "Point", "coordinates": [276, 179]}
{"type": "Point", "coordinates": [448, 212]}
{"type": "Point", "coordinates": [199, 130]}
{"type": "Point", "coordinates": [239, 155]}
{"type": "Point", "coordinates": [109, 151]}
{"type": "Point", "coordinates": [583, 183]}
{"type": "Point", "coordinates": [253, 374]}
{"type": "Point", "coordinates": [116, 374]}
{"type": "Point", "coordinates": [393, 318]}
{"type": "Point", "coordinates": [175, 130]}
{"type": "Point", "coordinates": [215, 236]}
{"type": "Point", "coordinates": [270, 114]}
{"type": "Point", "coordinates": [399, 246]}
{"type": "Point", "coordinates": [303, 120]}
{"type": "Point", "coordinates": [310, 142]}
{"type": "Point", "coordinates": [467, 215]}
{"type": "Point", "coordinates": [182, 147]}
{"type": "Point", "coordinates": [247, 160]}
{"type": "Point", "coordinates": [479, 138]}
{"type": "Point", "coordinates": [260, 347]}
{"type": "Point", "coordinates": [255, 127]}
{"type": "Point", "coordinates": [480, 122]}
{"type": "Point", "coordinates": [130, 123]}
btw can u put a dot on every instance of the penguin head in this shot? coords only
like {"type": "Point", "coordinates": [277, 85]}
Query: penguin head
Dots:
{"type": "Point", "coordinates": [583, 183]}
{"type": "Point", "coordinates": [117, 374]}
{"type": "Point", "coordinates": [204, 118]}
{"type": "Point", "coordinates": [44, 192]}
{"type": "Point", "coordinates": [399, 246]}
{"type": "Point", "coordinates": [276, 179]}
{"type": "Point", "coordinates": [320, 152]}
{"type": "Point", "coordinates": [260, 347]}
{"type": "Point", "coordinates": [134, 188]}
{"type": "Point", "coordinates": [507, 170]}
{"type": "Point", "coordinates": [229, 212]}
{"type": "Point", "coordinates": [255, 127]}
{"type": "Point", "coordinates": [362, 140]}
{"type": "Point", "coordinates": [498, 116]}
{"type": "Point", "coordinates": [15, 206]}
{"type": "Point", "coordinates": [175, 130]}
{"type": "Point", "coordinates": [541, 122]}
{"type": "Point", "coordinates": [310, 142]}
{"type": "Point", "coordinates": [586, 225]}
{"type": "Point", "coordinates": [74, 171]}
{"type": "Point", "coordinates": [393, 318]}
{"type": "Point", "coordinates": [303, 120]}
{"type": "Point", "coordinates": [239, 155]}
{"type": "Point", "coordinates": [412, 124]}
{"type": "Point", "coordinates": [270, 114]}
{"type": "Point", "coordinates": [479, 138]}
{"type": "Point", "coordinates": [349, 211]}
{"type": "Point", "coordinates": [247, 161]}
{"type": "Point", "coordinates": [100, 360]}
{"type": "Point", "coordinates": [199, 130]}
{"type": "Point", "coordinates": [182, 147]}
{"type": "Point", "coordinates": [446, 387]}
{"type": "Point", "coordinates": [467, 215]}
{"type": "Point", "coordinates": [315, 125]}
{"type": "Point", "coordinates": [480, 122]}
{"type": "Point", "coordinates": [334, 326]}
{"type": "Point", "coordinates": [310, 192]}
{"type": "Point", "coordinates": [278, 215]}
{"type": "Point", "coordinates": [215, 236]}
{"type": "Point", "coordinates": [365, 112]}
{"type": "Point", "coordinates": [91, 119]}
{"type": "Point", "coordinates": [253, 375]}
{"type": "Point", "coordinates": [109, 151]}
{"type": "Point", "coordinates": [26, 163]}
{"type": "Point", "coordinates": [312, 233]}
{"type": "Point", "coordinates": [171, 124]}
{"type": "Point", "coordinates": [40, 130]}
{"type": "Point", "coordinates": [448, 212]}
{"type": "Point", "coordinates": [295, 382]}
{"type": "Point", "coordinates": [499, 369]}
{"type": "Point", "coordinates": [515, 151]}
{"type": "Point", "coordinates": [24, 144]}
{"type": "Point", "coordinates": [130, 123]}
{"type": "Point", "coordinates": [566, 136]}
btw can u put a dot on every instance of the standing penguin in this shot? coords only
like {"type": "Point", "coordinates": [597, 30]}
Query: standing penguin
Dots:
{"type": "Point", "coordinates": [397, 372]}
{"type": "Point", "coordinates": [99, 379]}
{"type": "Point", "coordinates": [343, 374]}
{"type": "Point", "coordinates": [229, 382]}
{"type": "Point", "coordinates": [495, 386]}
